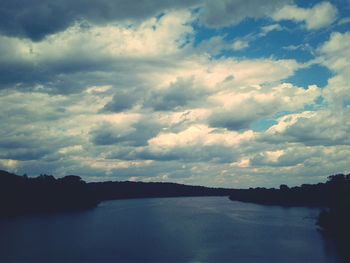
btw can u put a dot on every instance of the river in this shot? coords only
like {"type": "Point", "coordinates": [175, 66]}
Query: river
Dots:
{"type": "Point", "coordinates": [198, 229]}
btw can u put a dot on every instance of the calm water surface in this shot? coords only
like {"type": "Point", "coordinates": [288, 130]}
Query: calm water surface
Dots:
{"type": "Point", "coordinates": [199, 229]}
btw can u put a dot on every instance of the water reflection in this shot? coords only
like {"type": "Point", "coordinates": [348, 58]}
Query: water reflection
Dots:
{"type": "Point", "coordinates": [197, 229]}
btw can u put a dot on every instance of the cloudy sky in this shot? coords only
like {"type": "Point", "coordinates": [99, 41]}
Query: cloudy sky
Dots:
{"type": "Point", "coordinates": [230, 93]}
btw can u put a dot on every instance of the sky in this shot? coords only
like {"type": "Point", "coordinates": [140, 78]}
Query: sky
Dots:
{"type": "Point", "coordinates": [232, 93]}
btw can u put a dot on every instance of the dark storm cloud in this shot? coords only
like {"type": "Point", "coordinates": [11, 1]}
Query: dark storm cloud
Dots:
{"type": "Point", "coordinates": [137, 135]}
{"type": "Point", "coordinates": [70, 74]}
{"type": "Point", "coordinates": [62, 76]}
{"type": "Point", "coordinates": [230, 120]}
{"type": "Point", "coordinates": [16, 142]}
{"type": "Point", "coordinates": [231, 12]}
{"type": "Point", "coordinates": [239, 118]}
{"type": "Point", "coordinates": [121, 101]}
{"type": "Point", "coordinates": [23, 154]}
{"type": "Point", "coordinates": [36, 19]}
{"type": "Point", "coordinates": [178, 94]}
{"type": "Point", "coordinates": [31, 144]}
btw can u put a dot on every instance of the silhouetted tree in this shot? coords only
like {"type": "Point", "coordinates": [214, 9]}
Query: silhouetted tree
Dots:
{"type": "Point", "coordinates": [284, 187]}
